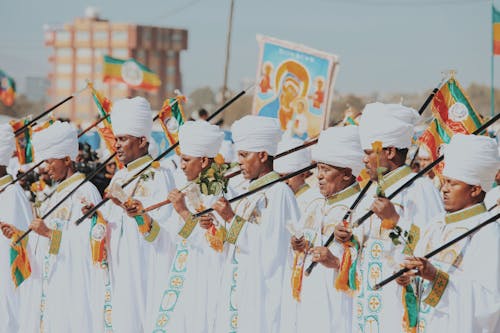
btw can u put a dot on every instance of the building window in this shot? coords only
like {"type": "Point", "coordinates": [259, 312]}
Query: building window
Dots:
{"type": "Point", "coordinates": [101, 52]}
{"type": "Point", "coordinates": [120, 53]}
{"type": "Point", "coordinates": [83, 68]}
{"type": "Point", "coordinates": [171, 70]}
{"type": "Point", "coordinates": [177, 36]}
{"type": "Point", "coordinates": [119, 35]}
{"type": "Point", "coordinates": [84, 52]}
{"type": "Point", "coordinates": [166, 36]}
{"type": "Point", "coordinates": [64, 68]}
{"type": "Point", "coordinates": [146, 34]}
{"type": "Point", "coordinates": [63, 52]}
{"type": "Point", "coordinates": [170, 86]}
{"type": "Point", "coordinates": [63, 83]}
{"type": "Point", "coordinates": [98, 67]}
{"type": "Point", "coordinates": [170, 54]}
{"type": "Point", "coordinates": [63, 36]}
{"type": "Point", "coordinates": [100, 35]}
{"type": "Point", "coordinates": [82, 36]}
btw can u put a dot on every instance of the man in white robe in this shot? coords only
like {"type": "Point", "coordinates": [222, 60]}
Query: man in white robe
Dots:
{"type": "Point", "coordinates": [184, 293]}
{"type": "Point", "coordinates": [131, 231]}
{"type": "Point", "coordinates": [63, 303]}
{"type": "Point", "coordinates": [319, 305]}
{"type": "Point", "coordinates": [250, 296]}
{"type": "Point", "coordinates": [287, 164]}
{"type": "Point", "coordinates": [391, 125]}
{"type": "Point", "coordinates": [461, 292]}
{"type": "Point", "coordinates": [15, 213]}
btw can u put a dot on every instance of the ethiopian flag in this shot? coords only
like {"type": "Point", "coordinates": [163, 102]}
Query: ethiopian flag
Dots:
{"type": "Point", "coordinates": [434, 136]}
{"type": "Point", "coordinates": [453, 109]}
{"type": "Point", "coordinates": [453, 113]}
{"type": "Point", "coordinates": [7, 89]}
{"type": "Point", "coordinates": [496, 30]}
{"type": "Point", "coordinates": [172, 118]}
{"type": "Point", "coordinates": [24, 146]}
{"type": "Point", "coordinates": [130, 72]}
{"type": "Point", "coordinates": [19, 261]}
{"type": "Point", "coordinates": [103, 105]}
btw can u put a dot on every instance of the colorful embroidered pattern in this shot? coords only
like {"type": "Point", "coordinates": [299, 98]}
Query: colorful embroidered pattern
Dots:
{"type": "Point", "coordinates": [174, 289]}
{"type": "Point", "coordinates": [188, 227]}
{"type": "Point", "coordinates": [438, 288]}
{"type": "Point", "coordinates": [235, 229]}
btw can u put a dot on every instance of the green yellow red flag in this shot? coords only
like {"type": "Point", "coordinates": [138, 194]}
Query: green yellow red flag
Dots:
{"type": "Point", "coordinates": [130, 72]}
{"type": "Point", "coordinates": [19, 261]}
{"type": "Point", "coordinates": [172, 118]}
{"type": "Point", "coordinates": [496, 31]}
{"type": "Point", "coordinates": [453, 113]}
{"type": "Point", "coordinates": [105, 131]}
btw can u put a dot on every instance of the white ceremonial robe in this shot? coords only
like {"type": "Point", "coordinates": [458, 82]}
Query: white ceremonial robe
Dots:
{"type": "Point", "coordinates": [190, 307]}
{"type": "Point", "coordinates": [381, 310]}
{"type": "Point", "coordinates": [239, 184]}
{"type": "Point", "coordinates": [305, 196]}
{"type": "Point", "coordinates": [252, 282]}
{"type": "Point", "coordinates": [16, 211]}
{"type": "Point", "coordinates": [492, 198]}
{"type": "Point", "coordinates": [128, 248]}
{"type": "Point", "coordinates": [470, 300]}
{"type": "Point", "coordinates": [321, 308]}
{"type": "Point", "coordinates": [65, 303]}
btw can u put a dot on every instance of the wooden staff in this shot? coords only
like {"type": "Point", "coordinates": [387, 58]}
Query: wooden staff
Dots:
{"type": "Point", "coordinates": [440, 249]}
{"type": "Point", "coordinates": [162, 203]}
{"type": "Point", "coordinates": [96, 207]}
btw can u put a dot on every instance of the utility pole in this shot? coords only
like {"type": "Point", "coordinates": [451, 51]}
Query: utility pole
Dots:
{"type": "Point", "coordinates": [228, 51]}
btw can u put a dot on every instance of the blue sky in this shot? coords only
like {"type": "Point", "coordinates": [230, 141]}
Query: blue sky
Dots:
{"type": "Point", "coordinates": [383, 45]}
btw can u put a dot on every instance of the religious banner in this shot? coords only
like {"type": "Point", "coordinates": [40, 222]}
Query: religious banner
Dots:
{"type": "Point", "coordinates": [295, 85]}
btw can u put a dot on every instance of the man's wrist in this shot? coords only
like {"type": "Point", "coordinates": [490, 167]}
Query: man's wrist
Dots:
{"type": "Point", "coordinates": [185, 215]}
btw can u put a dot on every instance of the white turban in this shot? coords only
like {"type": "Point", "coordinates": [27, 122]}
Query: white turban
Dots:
{"type": "Point", "coordinates": [132, 116]}
{"type": "Point", "coordinates": [472, 159]}
{"type": "Point", "coordinates": [200, 139]}
{"type": "Point", "coordinates": [340, 147]}
{"type": "Point", "coordinates": [256, 134]}
{"type": "Point", "coordinates": [57, 141]}
{"type": "Point", "coordinates": [227, 151]}
{"type": "Point", "coordinates": [390, 123]}
{"type": "Point", "coordinates": [294, 161]}
{"type": "Point", "coordinates": [7, 144]}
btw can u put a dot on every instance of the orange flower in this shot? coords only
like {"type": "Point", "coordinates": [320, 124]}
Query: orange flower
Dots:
{"type": "Point", "coordinates": [377, 146]}
{"type": "Point", "coordinates": [219, 159]}
{"type": "Point", "coordinates": [388, 224]}
{"type": "Point", "coordinates": [155, 164]}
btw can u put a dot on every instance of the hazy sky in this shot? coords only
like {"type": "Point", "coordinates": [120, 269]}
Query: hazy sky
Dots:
{"type": "Point", "coordinates": [383, 45]}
